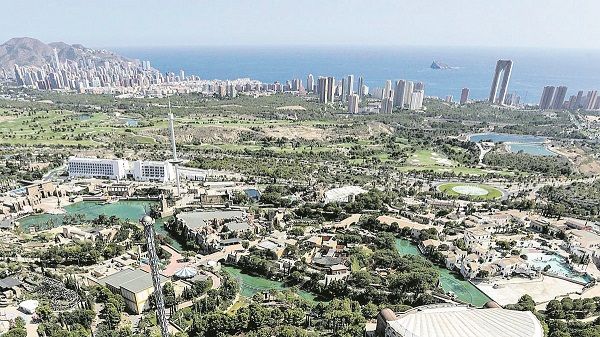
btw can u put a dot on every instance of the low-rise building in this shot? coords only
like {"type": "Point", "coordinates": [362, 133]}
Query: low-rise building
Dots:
{"type": "Point", "coordinates": [135, 285]}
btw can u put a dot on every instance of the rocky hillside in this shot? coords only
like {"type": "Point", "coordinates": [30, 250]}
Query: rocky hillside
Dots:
{"type": "Point", "coordinates": [26, 51]}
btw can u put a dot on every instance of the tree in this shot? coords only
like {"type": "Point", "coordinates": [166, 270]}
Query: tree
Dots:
{"type": "Point", "coordinates": [111, 315]}
{"type": "Point", "coordinates": [44, 312]}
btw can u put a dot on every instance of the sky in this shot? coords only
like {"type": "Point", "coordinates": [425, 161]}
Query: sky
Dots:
{"type": "Point", "coordinates": [166, 23]}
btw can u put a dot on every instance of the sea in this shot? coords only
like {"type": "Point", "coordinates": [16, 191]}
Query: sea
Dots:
{"type": "Point", "coordinates": [472, 68]}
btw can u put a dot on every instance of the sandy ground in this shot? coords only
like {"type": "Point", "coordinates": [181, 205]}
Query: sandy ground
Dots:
{"type": "Point", "coordinates": [295, 132]}
{"type": "Point", "coordinates": [541, 290]}
{"type": "Point", "coordinates": [291, 107]}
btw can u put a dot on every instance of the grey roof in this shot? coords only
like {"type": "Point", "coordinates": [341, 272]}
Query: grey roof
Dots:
{"type": "Point", "coordinates": [327, 261]}
{"type": "Point", "coordinates": [195, 219]}
{"type": "Point", "coordinates": [9, 282]}
{"type": "Point", "coordinates": [6, 223]}
{"type": "Point", "coordinates": [238, 226]}
{"type": "Point", "coordinates": [462, 321]}
{"type": "Point", "coordinates": [131, 280]}
{"type": "Point", "coordinates": [230, 241]}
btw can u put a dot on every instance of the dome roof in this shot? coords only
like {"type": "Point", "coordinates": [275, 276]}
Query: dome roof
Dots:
{"type": "Point", "coordinates": [492, 305]}
{"type": "Point", "coordinates": [146, 220]}
{"type": "Point", "coordinates": [388, 315]}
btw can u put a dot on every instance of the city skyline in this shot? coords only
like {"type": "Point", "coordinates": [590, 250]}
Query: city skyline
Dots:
{"type": "Point", "coordinates": [281, 23]}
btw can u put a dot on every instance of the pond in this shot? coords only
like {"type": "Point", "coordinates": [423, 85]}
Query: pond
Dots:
{"type": "Point", "coordinates": [124, 210]}
{"type": "Point", "coordinates": [533, 145]}
{"type": "Point", "coordinates": [463, 290]}
{"type": "Point", "coordinates": [558, 265]}
{"type": "Point", "coordinates": [250, 285]}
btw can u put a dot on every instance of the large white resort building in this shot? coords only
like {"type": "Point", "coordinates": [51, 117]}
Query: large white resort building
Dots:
{"type": "Point", "coordinates": [447, 320]}
{"type": "Point", "coordinates": [120, 169]}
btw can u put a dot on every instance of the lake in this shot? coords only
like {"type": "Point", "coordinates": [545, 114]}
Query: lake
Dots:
{"type": "Point", "coordinates": [131, 210]}
{"type": "Point", "coordinates": [533, 145]}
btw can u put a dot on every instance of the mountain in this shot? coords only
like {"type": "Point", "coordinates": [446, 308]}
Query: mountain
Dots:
{"type": "Point", "coordinates": [26, 51]}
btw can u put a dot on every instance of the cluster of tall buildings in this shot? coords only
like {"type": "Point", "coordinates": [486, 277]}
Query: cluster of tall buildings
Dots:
{"type": "Point", "coordinates": [88, 73]}
{"type": "Point", "coordinates": [404, 94]}
{"type": "Point", "coordinates": [554, 98]}
{"type": "Point", "coordinates": [328, 89]}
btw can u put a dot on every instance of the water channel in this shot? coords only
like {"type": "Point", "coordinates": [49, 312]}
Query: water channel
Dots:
{"type": "Point", "coordinates": [463, 290]}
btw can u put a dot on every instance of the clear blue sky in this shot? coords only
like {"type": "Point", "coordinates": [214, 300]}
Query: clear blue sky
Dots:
{"type": "Point", "coordinates": [118, 23]}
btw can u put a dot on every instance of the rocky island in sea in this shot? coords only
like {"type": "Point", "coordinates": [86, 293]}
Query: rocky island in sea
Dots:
{"type": "Point", "coordinates": [439, 65]}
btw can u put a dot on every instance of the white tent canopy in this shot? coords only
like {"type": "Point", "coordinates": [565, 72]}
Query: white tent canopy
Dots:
{"type": "Point", "coordinates": [186, 272]}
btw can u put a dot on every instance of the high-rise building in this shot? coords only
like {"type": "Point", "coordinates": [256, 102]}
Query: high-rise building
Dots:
{"type": "Point", "coordinates": [419, 86]}
{"type": "Point", "coordinates": [503, 69]}
{"type": "Point", "coordinates": [361, 92]}
{"type": "Point", "coordinates": [330, 88]}
{"type": "Point", "coordinates": [590, 101]}
{"type": "Point", "coordinates": [416, 101]}
{"type": "Point", "coordinates": [399, 93]}
{"type": "Point", "coordinates": [310, 83]}
{"type": "Point", "coordinates": [350, 84]}
{"type": "Point", "coordinates": [578, 100]}
{"type": "Point", "coordinates": [387, 104]}
{"type": "Point", "coordinates": [547, 95]}
{"type": "Point", "coordinates": [449, 99]}
{"type": "Point", "coordinates": [387, 89]}
{"type": "Point", "coordinates": [559, 97]}
{"type": "Point", "coordinates": [56, 61]}
{"type": "Point", "coordinates": [322, 87]}
{"type": "Point", "coordinates": [464, 96]}
{"type": "Point", "coordinates": [408, 91]}
{"type": "Point", "coordinates": [343, 91]}
{"type": "Point", "coordinates": [181, 75]}
{"type": "Point", "coordinates": [353, 103]}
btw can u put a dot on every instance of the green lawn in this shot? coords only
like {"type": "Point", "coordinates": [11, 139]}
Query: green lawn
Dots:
{"type": "Point", "coordinates": [492, 192]}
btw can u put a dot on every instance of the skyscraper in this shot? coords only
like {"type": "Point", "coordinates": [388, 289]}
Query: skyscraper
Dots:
{"type": "Point", "coordinates": [399, 93]}
{"type": "Point", "coordinates": [547, 94]}
{"type": "Point", "coordinates": [56, 61]}
{"type": "Point", "coordinates": [350, 84]}
{"type": "Point", "coordinates": [464, 96]}
{"type": "Point", "coordinates": [361, 92]}
{"type": "Point", "coordinates": [353, 103]}
{"type": "Point", "coordinates": [416, 101]}
{"type": "Point", "coordinates": [387, 89]}
{"type": "Point", "coordinates": [408, 91]}
{"type": "Point", "coordinates": [559, 97]}
{"type": "Point", "coordinates": [330, 88]}
{"type": "Point", "coordinates": [578, 100]}
{"type": "Point", "coordinates": [590, 101]}
{"type": "Point", "coordinates": [419, 86]}
{"type": "Point", "coordinates": [310, 83]}
{"type": "Point", "coordinates": [387, 105]}
{"type": "Point", "coordinates": [344, 91]}
{"type": "Point", "coordinates": [503, 69]}
{"type": "Point", "coordinates": [323, 85]}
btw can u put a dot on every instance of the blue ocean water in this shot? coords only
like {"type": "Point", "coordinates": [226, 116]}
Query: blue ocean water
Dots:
{"type": "Point", "coordinates": [532, 70]}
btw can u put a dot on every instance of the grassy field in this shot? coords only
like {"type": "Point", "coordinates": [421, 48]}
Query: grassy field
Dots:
{"type": "Point", "coordinates": [492, 192]}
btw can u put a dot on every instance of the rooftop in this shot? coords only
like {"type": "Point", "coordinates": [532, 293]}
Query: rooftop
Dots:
{"type": "Point", "coordinates": [198, 219]}
{"type": "Point", "coordinates": [132, 280]}
{"type": "Point", "coordinates": [462, 321]}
